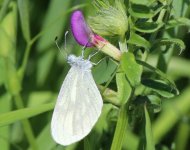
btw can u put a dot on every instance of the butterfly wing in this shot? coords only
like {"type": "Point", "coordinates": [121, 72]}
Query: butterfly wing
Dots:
{"type": "Point", "coordinates": [78, 107]}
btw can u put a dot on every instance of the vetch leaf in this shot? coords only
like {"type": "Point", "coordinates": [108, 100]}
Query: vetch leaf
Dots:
{"type": "Point", "coordinates": [24, 18]}
{"type": "Point", "coordinates": [155, 70]}
{"type": "Point", "coordinates": [124, 88]}
{"type": "Point", "coordinates": [178, 22]}
{"type": "Point", "coordinates": [103, 71]}
{"type": "Point", "coordinates": [162, 88]}
{"type": "Point", "coordinates": [131, 68]}
{"type": "Point", "coordinates": [140, 11]}
{"type": "Point", "coordinates": [147, 27]}
{"type": "Point", "coordinates": [148, 131]}
{"type": "Point", "coordinates": [179, 43]}
{"type": "Point", "coordinates": [138, 41]}
{"type": "Point", "coordinates": [142, 2]}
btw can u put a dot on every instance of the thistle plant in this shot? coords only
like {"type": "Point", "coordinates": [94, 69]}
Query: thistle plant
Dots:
{"type": "Point", "coordinates": [143, 76]}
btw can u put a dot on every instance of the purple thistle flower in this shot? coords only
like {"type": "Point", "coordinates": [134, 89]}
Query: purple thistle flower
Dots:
{"type": "Point", "coordinates": [86, 37]}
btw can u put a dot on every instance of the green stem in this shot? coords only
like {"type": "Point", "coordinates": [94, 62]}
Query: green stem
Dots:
{"type": "Point", "coordinates": [26, 124]}
{"type": "Point", "coordinates": [24, 62]}
{"type": "Point", "coordinates": [123, 44]}
{"type": "Point", "coordinates": [121, 129]}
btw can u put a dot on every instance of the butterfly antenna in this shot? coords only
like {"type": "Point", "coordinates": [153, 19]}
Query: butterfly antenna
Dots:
{"type": "Point", "coordinates": [92, 55]}
{"type": "Point", "coordinates": [65, 44]}
{"type": "Point", "coordinates": [60, 49]}
{"type": "Point", "coordinates": [84, 47]}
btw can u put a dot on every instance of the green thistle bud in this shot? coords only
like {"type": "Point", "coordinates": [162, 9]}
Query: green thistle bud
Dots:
{"type": "Point", "coordinates": [111, 20]}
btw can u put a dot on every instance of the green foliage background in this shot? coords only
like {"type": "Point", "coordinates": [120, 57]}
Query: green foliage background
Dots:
{"type": "Point", "coordinates": [32, 71]}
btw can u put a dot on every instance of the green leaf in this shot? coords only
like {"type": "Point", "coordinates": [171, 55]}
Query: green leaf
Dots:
{"type": "Point", "coordinates": [132, 70]}
{"type": "Point", "coordinates": [164, 89]}
{"type": "Point", "coordinates": [155, 102]}
{"type": "Point", "coordinates": [24, 18]}
{"type": "Point", "coordinates": [103, 71]}
{"type": "Point", "coordinates": [13, 116]}
{"type": "Point", "coordinates": [138, 41]}
{"type": "Point", "coordinates": [120, 131]}
{"type": "Point", "coordinates": [142, 2]}
{"type": "Point", "coordinates": [155, 70]}
{"type": "Point", "coordinates": [147, 27]}
{"type": "Point", "coordinates": [140, 11]}
{"type": "Point", "coordinates": [124, 88]}
{"type": "Point", "coordinates": [8, 31]}
{"type": "Point", "coordinates": [4, 8]}
{"type": "Point", "coordinates": [178, 22]}
{"type": "Point", "coordinates": [148, 131]}
{"type": "Point", "coordinates": [167, 42]}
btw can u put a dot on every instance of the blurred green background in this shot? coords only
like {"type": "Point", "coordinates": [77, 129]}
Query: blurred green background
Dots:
{"type": "Point", "coordinates": [32, 70]}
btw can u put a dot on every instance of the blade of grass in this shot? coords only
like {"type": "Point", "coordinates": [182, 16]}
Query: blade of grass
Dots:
{"type": "Point", "coordinates": [13, 116]}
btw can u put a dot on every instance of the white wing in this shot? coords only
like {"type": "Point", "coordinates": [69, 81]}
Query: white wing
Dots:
{"type": "Point", "coordinates": [78, 107]}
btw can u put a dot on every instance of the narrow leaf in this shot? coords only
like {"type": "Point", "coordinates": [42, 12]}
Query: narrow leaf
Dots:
{"type": "Point", "coordinates": [155, 70]}
{"type": "Point", "coordinates": [148, 131]}
{"type": "Point", "coordinates": [162, 88]}
{"type": "Point", "coordinates": [24, 18]}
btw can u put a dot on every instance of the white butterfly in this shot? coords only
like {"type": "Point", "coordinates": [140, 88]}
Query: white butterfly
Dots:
{"type": "Point", "coordinates": [79, 104]}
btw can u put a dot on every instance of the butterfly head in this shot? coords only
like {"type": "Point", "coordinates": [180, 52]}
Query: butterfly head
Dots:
{"type": "Point", "coordinates": [79, 62]}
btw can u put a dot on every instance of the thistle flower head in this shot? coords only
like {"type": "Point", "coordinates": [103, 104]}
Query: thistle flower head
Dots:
{"type": "Point", "coordinates": [111, 20]}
